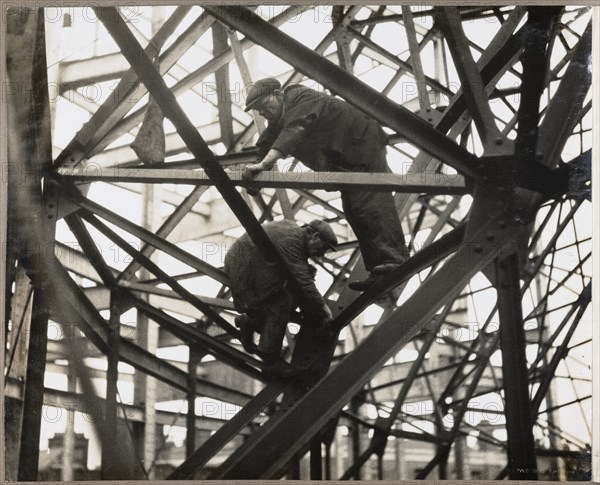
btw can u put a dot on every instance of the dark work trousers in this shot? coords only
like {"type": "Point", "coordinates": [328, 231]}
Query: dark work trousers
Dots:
{"type": "Point", "coordinates": [374, 219]}
{"type": "Point", "coordinates": [271, 320]}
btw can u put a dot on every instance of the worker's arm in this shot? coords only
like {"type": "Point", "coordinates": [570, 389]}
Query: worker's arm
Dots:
{"type": "Point", "coordinates": [292, 249]}
{"type": "Point", "coordinates": [267, 163]}
{"type": "Point", "coordinates": [288, 139]}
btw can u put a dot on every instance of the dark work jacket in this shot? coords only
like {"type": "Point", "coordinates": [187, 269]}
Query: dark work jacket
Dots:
{"type": "Point", "coordinates": [253, 280]}
{"type": "Point", "coordinates": [323, 132]}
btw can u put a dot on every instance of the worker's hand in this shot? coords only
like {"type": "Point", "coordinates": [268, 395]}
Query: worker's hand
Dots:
{"type": "Point", "coordinates": [325, 331]}
{"type": "Point", "coordinates": [253, 191]}
{"type": "Point", "coordinates": [250, 171]}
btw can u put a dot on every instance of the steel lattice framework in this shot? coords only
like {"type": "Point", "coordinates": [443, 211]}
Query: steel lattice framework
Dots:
{"type": "Point", "coordinates": [494, 196]}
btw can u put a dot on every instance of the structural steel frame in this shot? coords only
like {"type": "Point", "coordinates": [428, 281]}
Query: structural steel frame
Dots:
{"type": "Point", "coordinates": [520, 189]}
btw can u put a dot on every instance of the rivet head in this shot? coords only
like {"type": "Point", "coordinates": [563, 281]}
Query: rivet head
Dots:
{"type": "Point", "coordinates": [478, 248]}
{"type": "Point", "coordinates": [502, 223]}
{"type": "Point", "coordinates": [499, 141]}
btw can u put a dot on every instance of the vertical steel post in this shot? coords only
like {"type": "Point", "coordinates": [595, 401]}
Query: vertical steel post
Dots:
{"type": "Point", "coordinates": [34, 385]}
{"type": "Point", "coordinates": [519, 425]}
{"type": "Point", "coordinates": [380, 467]}
{"type": "Point", "coordinates": [355, 437]}
{"type": "Point", "coordinates": [328, 461]}
{"type": "Point", "coordinates": [107, 468]}
{"type": "Point", "coordinates": [219, 38]}
{"type": "Point", "coordinates": [190, 436]}
{"type": "Point", "coordinates": [316, 463]}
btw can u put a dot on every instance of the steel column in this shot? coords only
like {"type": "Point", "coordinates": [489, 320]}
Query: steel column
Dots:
{"type": "Point", "coordinates": [29, 151]}
{"type": "Point", "coordinates": [108, 471]}
{"type": "Point", "coordinates": [190, 436]}
{"type": "Point", "coordinates": [519, 421]}
{"type": "Point", "coordinates": [219, 38]}
{"type": "Point", "coordinates": [316, 461]}
{"type": "Point", "coordinates": [34, 382]}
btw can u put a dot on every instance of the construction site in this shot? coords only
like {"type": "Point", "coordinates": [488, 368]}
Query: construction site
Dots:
{"type": "Point", "coordinates": [471, 360]}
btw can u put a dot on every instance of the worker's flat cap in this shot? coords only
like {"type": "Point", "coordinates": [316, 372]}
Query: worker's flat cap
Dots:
{"type": "Point", "coordinates": [261, 88]}
{"type": "Point", "coordinates": [325, 231]}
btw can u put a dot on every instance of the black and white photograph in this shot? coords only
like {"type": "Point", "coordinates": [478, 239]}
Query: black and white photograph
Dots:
{"type": "Point", "coordinates": [298, 242]}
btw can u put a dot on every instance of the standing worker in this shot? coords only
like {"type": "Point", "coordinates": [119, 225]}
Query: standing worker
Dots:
{"type": "Point", "coordinates": [328, 134]}
{"type": "Point", "coordinates": [261, 294]}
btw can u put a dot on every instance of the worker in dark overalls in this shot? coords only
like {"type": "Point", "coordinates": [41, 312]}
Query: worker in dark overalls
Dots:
{"type": "Point", "coordinates": [261, 294]}
{"type": "Point", "coordinates": [328, 134]}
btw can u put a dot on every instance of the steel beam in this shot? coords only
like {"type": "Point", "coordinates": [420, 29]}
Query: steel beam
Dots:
{"type": "Point", "coordinates": [466, 13]}
{"type": "Point", "coordinates": [415, 58]}
{"type": "Point", "coordinates": [564, 110]}
{"type": "Point", "coordinates": [87, 72]}
{"type": "Point", "coordinates": [152, 267]}
{"type": "Point", "coordinates": [472, 84]}
{"type": "Point", "coordinates": [228, 431]}
{"type": "Point", "coordinates": [380, 54]}
{"type": "Point", "coordinates": [190, 334]}
{"type": "Point", "coordinates": [91, 251]}
{"type": "Point", "coordinates": [429, 183]}
{"type": "Point", "coordinates": [165, 229]}
{"type": "Point", "coordinates": [145, 235]}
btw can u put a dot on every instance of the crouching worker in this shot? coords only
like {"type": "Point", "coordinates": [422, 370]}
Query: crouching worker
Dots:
{"type": "Point", "coordinates": [261, 294]}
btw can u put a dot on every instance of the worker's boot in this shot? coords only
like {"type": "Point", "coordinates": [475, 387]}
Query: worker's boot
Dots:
{"type": "Point", "coordinates": [246, 333]}
{"type": "Point", "coordinates": [274, 366]}
{"type": "Point", "coordinates": [376, 274]}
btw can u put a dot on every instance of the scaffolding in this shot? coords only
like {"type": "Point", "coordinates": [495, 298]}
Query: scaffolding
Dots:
{"type": "Point", "coordinates": [491, 153]}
